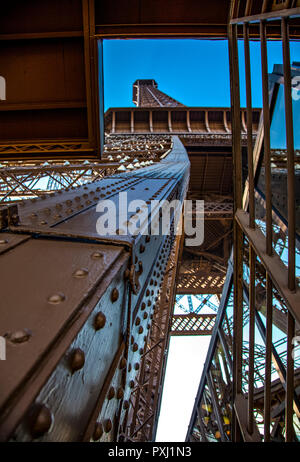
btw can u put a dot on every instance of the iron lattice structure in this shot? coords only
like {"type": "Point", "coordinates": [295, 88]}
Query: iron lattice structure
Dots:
{"type": "Point", "coordinates": [108, 301]}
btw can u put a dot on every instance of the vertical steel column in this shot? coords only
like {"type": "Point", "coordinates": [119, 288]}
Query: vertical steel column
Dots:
{"type": "Point", "coordinates": [289, 428]}
{"type": "Point", "coordinates": [238, 234]}
{"type": "Point", "coordinates": [267, 155]}
{"type": "Point", "coordinates": [290, 152]}
{"type": "Point", "coordinates": [252, 260]}
{"type": "Point", "coordinates": [267, 390]}
{"type": "Point", "coordinates": [249, 126]}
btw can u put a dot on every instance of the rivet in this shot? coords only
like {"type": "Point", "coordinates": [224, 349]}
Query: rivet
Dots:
{"type": "Point", "coordinates": [136, 366]}
{"type": "Point", "coordinates": [137, 321]}
{"type": "Point", "coordinates": [111, 393]}
{"type": "Point", "coordinates": [107, 425]}
{"type": "Point", "coordinates": [80, 273]}
{"type": "Point", "coordinates": [98, 431]}
{"type": "Point", "coordinates": [33, 215]}
{"type": "Point", "coordinates": [100, 320]}
{"type": "Point", "coordinates": [145, 315]}
{"type": "Point", "coordinates": [97, 255]}
{"type": "Point", "coordinates": [20, 336]}
{"type": "Point", "coordinates": [140, 330]}
{"type": "Point", "coordinates": [120, 393]}
{"type": "Point", "coordinates": [123, 363]}
{"type": "Point", "coordinates": [143, 306]}
{"type": "Point", "coordinates": [125, 405]}
{"type": "Point", "coordinates": [114, 295]}
{"type": "Point", "coordinates": [40, 420]}
{"type": "Point", "coordinates": [142, 248]}
{"type": "Point", "coordinates": [56, 298]}
{"type": "Point", "coordinates": [126, 274]}
{"type": "Point", "coordinates": [140, 270]}
{"type": "Point", "coordinates": [129, 367]}
{"type": "Point", "coordinates": [147, 239]}
{"type": "Point", "coordinates": [3, 241]}
{"type": "Point", "coordinates": [135, 347]}
{"type": "Point", "coordinates": [141, 350]}
{"type": "Point", "coordinates": [77, 359]}
{"type": "Point", "coordinates": [147, 292]}
{"type": "Point", "coordinates": [131, 383]}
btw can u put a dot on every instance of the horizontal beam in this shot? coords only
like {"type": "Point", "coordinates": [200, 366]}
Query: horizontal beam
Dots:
{"type": "Point", "coordinates": [271, 16]}
{"type": "Point", "coordinates": [192, 324]}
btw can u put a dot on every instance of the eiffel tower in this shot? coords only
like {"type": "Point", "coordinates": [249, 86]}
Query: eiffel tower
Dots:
{"type": "Point", "coordinates": [87, 309]}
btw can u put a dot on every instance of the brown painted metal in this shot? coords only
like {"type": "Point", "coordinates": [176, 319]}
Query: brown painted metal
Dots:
{"type": "Point", "coordinates": [266, 119]}
{"type": "Point", "coordinates": [279, 279]}
{"type": "Point", "coordinates": [173, 119]}
{"type": "Point", "coordinates": [140, 424]}
{"type": "Point", "coordinates": [290, 154]}
{"type": "Point", "coordinates": [289, 436]}
{"type": "Point", "coordinates": [99, 297]}
{"type": "Point", "coordinates": [51, 72]}
{"type": "Point", "coordinates": [252, 261]}
{"type": "Point", "coordinates": [267, 397]}
{"type": "Point", "coordinates": [249, 122]}
{"type": "Point", "coordinates": [192, 324]}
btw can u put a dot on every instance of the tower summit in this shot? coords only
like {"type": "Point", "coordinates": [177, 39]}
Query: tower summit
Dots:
{"type": "Point", "coordinates": [146, 94]}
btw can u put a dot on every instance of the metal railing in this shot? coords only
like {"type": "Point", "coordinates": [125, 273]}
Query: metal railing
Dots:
{"type": "Point", "coordinates": [260, 400]}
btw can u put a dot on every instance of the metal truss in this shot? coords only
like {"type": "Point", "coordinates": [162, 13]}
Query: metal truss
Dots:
{"type": "Point", "coordinates": [140, 422]}
{"type": "Point", "coordinates": [249, 390]}
{"type": "Point", "coordinates": [32, 179]}
{"type": "Point", "coordinates": [192, 324]}
{"type": "Point", "coordinates": [196, 302]}
{"type": "Point", "coordinates": [109, 301]}
{"type": "Point", "coordinates": [28, 181]}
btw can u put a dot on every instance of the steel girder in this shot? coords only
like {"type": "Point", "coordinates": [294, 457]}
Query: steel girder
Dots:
{"type": "Point", "coordinates": [77, 306]}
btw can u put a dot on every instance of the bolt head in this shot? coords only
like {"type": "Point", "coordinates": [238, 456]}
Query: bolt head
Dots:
{"type": "Point", "coordinates": [40, 420]}
{"type": "Point", "coordinates": [77, 359]}
{"type": "Point", "coordinates": [55, 299]}
{"type": "Point", "coordinates": [100, 320]}
{"type": "Point", "coordinates": [114, 295]}
{"type": "Point", "coordinates": [98, 431]}
{"type": "Point", "coordinates": [107, 425]}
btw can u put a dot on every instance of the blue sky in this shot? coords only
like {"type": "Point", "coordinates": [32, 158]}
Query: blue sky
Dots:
{"type": "Point", "coordinates": [195, 72]}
